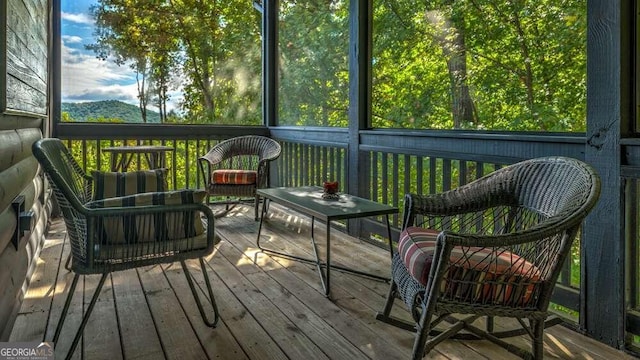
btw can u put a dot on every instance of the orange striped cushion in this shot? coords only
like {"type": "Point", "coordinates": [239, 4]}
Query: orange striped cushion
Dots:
{"type": "Point", "coordinates": [475, 274]}
{"type": "Point", "coordinates": [235, 177]}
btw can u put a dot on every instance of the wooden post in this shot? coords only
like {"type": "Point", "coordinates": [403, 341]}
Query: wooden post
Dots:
{"type": "Point", "coordinates": [269, 62]}
{"type": "Point", "coordinates": [359, 100]}
{"type": "Point", "coordinates": [608, 114]}
{"type": "Point", "coordinates": [55, 79]}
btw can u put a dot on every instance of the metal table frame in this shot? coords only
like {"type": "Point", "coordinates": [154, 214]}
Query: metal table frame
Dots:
{"type": "Point", "coordinates": [308, 201]}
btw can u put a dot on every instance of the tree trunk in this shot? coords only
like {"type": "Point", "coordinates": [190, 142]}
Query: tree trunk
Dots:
{"type": "Point", "coordinates": [142, 94]}
{"type": "Point", "coordinates": [451, 39]}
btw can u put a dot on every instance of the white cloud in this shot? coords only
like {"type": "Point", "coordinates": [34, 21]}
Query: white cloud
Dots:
{"type": "Point", "coordinates": [71, 39]}
{"type": "Point", "coordinates": [78, 18]}
{"type": "Point", "coordinates": [87, 78]}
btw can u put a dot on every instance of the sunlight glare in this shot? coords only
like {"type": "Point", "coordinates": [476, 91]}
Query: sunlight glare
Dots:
{"type": "Point", "coordinates": [39, 292]}
{"type": "Point", "coordinates": [564, 349]}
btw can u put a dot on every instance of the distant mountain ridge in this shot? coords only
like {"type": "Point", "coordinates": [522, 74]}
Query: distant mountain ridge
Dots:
{"type": "Point", "coordinates": [108, 109]}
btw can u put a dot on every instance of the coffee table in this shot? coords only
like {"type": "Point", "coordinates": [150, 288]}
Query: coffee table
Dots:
{"type": "Point", "coordinates": [308, 200]}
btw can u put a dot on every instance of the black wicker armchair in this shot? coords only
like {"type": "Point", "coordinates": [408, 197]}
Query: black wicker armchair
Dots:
{"type": "Point", "coordinates": [493, 247]}
{"type": "Point", "coordinates": [238, 166]}
{"type": "Point", "coordinates": [124, 232]}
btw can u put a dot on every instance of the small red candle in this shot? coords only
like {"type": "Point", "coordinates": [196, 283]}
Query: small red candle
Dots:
{"type": "Point", "coordinates": [330, 187]}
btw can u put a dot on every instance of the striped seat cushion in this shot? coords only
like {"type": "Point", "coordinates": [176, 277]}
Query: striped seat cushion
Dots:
{"type": "Point", "coordinates": [113, 184]}
{"type": "Point", "coordinates": [157, 227]}
{"type": "Point", "coordinates": [234, 177]}
{"type": "Point", "coordinates": [475, 274]}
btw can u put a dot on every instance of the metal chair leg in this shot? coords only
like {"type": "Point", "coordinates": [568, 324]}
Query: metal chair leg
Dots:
{"type": "Point", "coordinates": [196, 297]}
{"type": "Point", "coordinates": [65, 308]}
{"type": "Point", "coordinates": [85, 318]}
{"type": "Point", "coordinates": [257, 204]}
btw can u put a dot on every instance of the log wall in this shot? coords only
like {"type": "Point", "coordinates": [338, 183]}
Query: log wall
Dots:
{"type": "Point", "coordinates": [23, 116]}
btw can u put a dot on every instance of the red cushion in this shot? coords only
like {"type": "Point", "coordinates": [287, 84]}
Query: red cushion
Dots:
{"type": "Point", "coordinates": [475, 273]}
{"type": "Point", "coordinates": [235, 177]}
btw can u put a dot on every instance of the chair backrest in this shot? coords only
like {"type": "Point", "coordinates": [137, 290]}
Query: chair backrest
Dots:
{"type": "Point", "coordinates": [63, 171]}
{"type": "Point", "coordinates": [72, 188]}
{"type": "Point", "coordinates": [519, 196]}
{"type": "Point", "coordinates": [552, 186]}
{"type": "Point", "coordinates": [250, 148]}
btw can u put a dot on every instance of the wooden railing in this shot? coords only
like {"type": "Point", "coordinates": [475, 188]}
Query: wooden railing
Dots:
{"type": "Point", "coordinates": [393, 163]}
{"type": "Point", "coordinates": [399, 162]}
{"type": "Point", "coordinates": [189, 142]}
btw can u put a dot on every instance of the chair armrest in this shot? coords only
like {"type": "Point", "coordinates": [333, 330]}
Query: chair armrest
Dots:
{"type": "Point", "coordinates": [147, 203]}
{"type": "Point", "coordinates": [270, 153]}
{"type": "Point", "coordinates": [216, 155]}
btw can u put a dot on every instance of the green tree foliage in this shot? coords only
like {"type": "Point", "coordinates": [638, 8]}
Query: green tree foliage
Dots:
{"type": "Point", "coordinates": [210, 50]}
{"type": "Point", "coordinates": [525, 63]}
{"type": "Point", "coordinates": [438, 64]}
{"type": "Point", "coordinates": [313, 71]}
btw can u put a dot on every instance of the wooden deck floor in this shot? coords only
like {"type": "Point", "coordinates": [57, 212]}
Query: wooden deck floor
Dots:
{"type": "Point", "coordinates": [271, 307]}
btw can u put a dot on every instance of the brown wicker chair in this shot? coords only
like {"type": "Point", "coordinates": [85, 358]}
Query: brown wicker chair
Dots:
{"type": "Point", "coordinates": [493, 247]}
{"type": "Point", "coordinates": [238, 166]}
{"type": "Point", "coordinates": [125, 232]}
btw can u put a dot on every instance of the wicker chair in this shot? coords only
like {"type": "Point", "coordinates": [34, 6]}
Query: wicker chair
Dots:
{"type": "Point", "coordinates": [238, 166]}
{"type": "Point", "coordinates": [493, 247]}
{"type": "Point", "coordinates": [126, 232]}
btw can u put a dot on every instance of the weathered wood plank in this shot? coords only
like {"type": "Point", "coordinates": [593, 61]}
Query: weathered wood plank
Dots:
{"type": "Point", "coordinates": [30, 325]}
{"type": "Point", "coordinates": [101, 335]}
{"type": "Point", "coordinates": [254, 340]}
{"type": "Point", "coordinates": [348, 295]}
{"type": "Point", "coordinates": [139, 338]}
{"type": "Point", "coordinates": [176, 335]}
{"type": "Point", "coordinates": [24, 40]}
{"type": "Point", "coordinates": [22, 97]}
{"type": "Point", "coordinates": [219, 342]}
{"type": "Point", "coordinates": [74, 315]}
{"type": "Point", "coordinates": [286, 332]}
{"type": "Point", "coordinates": [584, 347]}
{"type": "Point", "coordinates": [348, 291]}
{"type": "Point", "coordinates": [298, 293]}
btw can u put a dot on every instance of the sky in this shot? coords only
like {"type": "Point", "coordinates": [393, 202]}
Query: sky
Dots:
{"type": "Point", "coordinates": [84, 76]}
